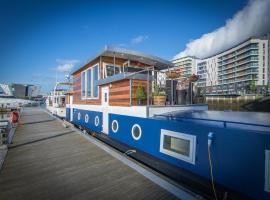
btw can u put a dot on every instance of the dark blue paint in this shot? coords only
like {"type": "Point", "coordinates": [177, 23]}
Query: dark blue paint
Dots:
{"type": "Point", "coordinates": [237, 153]}
{"type": "Point", "coordinates": [91, 122]}
{"type": "Point", "coordinates": [68, 114]}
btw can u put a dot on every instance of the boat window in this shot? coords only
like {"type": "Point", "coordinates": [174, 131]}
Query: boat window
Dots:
{"type": "Point", "coordinates": [89, 82]}
{"type": "Point", "coordinates": [114, 126]}
{"type": "Point", "coordinates": [95, 78]}
{"type": "Point", "coordinates": [111, 70]}
{"type": "Point", "coordinates": [83, 83]}
{"type": "Point", "coordinates": [105, 97]}
{"type": "Point", "coordinates": [178, 145]}
{"type": "Point", "coordinates": [96, 121]}
{"type": "Point", "coordinates": [86, 118]}
{"type": "Point", "coordinates": [136, 132]}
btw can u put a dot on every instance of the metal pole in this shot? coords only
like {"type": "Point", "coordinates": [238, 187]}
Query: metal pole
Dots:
{"type": "Point", "coordinates": [191, 92]}
{"type": "Point", "coordinates": [100, 68]}
{"type": "Point", "coordinates": [113, 63]}
{"type": "Point", "coordinates": [172, 91]}
{"type": "Point", "coordinates": [130, 89]}
{"type": "Point", "coordinates": [148, 87]}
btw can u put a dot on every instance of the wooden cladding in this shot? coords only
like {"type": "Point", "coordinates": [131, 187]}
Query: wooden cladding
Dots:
{"type": "Point", "coordinates": [119, 93]}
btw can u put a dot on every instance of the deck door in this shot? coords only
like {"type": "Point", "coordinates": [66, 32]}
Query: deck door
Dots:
{"type": "Point", "coordinates": [105, 105]}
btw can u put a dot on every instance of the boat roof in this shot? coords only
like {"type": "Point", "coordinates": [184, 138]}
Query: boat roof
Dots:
{"type": "Point", "coordinates": [247, 120]}
{"type": "Point", "coordinates": [159, 63]}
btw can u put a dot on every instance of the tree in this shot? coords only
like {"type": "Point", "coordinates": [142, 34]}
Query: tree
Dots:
{"type": "Point", "coordinates": [140, 94]}
{"type": "Point", "coordinates": [253, 86]}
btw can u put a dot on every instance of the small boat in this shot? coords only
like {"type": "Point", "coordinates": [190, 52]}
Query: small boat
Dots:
{"type": "Point", "coordinates": [216, 154]}
{"type": "Point", "coordinates": [56, 100]}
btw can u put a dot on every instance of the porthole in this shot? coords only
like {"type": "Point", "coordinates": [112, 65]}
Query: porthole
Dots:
{"type": "Point", "coordinates": [79, 116]}
{"type": "Point", "coordinates": [86, 118]}
{"type": "Point", "coordinates": [96, 121]}
{"type": "Point", "coordinates": [115, 126]}
{"type": "Point", "coordinates": [136, 132]}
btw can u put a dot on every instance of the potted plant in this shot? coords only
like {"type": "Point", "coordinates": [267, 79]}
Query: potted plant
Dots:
{"type": "Point", "coordinates": [172, 74]}
{"type": "Point", "coordinates": [159, 96]}
{"type": "Point", "coordinates": [193, 78]}
{"type": "Point", "coordinates": [140, 94]}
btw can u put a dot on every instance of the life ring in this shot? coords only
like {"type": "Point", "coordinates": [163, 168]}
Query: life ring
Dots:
{"type": "Point", "coordinates": [14, 117]}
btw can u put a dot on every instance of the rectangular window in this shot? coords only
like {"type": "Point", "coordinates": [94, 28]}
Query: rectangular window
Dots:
{"type": "Point", "coordinates": [95, 79]}
{"type": "Point", "coordinates": [111, 70]}
{"type": "Point", "coordinates": [83, 83]}
{"type": "Point", "coordinates": [179, 145]}
{"type": "Point", "coordinates": [89, 82]}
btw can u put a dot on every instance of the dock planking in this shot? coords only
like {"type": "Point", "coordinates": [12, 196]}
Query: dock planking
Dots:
{"type": "Point", "coordinates": [48, 161]}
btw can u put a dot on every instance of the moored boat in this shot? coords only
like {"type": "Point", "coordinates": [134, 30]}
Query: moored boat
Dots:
{"type": "Point", "coordinates": [215, 154]}
{"type": "Point", "coordinates": [56, 100]}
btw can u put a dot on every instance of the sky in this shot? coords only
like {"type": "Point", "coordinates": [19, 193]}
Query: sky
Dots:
{"type": "Point", "coordinates": [41, 40]}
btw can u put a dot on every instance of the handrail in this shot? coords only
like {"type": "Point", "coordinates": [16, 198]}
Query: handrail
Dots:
{"type": "Point", "coordinates": [134, 73]}
{"type": "Point", "coordinates": [211, 120]}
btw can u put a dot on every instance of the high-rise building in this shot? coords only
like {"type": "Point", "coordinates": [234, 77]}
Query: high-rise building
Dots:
{"type": "Point", "coordinates": [241, 69]}
{"type": "Point", "coordinates": [186, 66]}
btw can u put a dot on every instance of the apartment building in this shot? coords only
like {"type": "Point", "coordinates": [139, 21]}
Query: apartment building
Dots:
{"type": "Point", "coordinates": [186, 66]}
{"type": "Point", "coordinates": [242, 69]}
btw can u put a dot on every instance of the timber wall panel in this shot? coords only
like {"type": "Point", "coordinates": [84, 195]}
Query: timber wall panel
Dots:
{"type": "Point", "coordinates": [119, 94]}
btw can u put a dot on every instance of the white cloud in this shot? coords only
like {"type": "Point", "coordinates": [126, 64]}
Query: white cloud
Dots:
{"type": "Point", "coordinates": [65, 65]}
{"type": "Point", "coordinates": [252, 20]}
{"type": "Point", "coordinates": [139, 39]}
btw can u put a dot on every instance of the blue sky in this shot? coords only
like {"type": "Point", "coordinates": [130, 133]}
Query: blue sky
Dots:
{"type": "Point", "coordinates": [36, 37]}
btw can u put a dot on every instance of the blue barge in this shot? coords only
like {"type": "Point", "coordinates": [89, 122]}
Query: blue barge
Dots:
{"type": "Point", "coordinates": [216, 154]}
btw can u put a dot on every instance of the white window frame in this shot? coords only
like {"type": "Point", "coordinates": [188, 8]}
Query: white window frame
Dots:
{"type": "Point", "coordinates": [115, 130]}
{"type": "Point", "coordinates": [192, 147]}
{"type": "Point", "coordinates": [111, 64]}
{"type": "Point", "coordinates": [92, 82]}
{"type": "Point", "coordinates": [132, 131]}
{"type": "Point", "coordinates": [83, 96]}
{"type": "Point", "coordinates": [96, 121]}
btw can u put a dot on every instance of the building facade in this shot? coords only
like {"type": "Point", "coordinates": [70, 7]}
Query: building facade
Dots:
{"type": "Point", "coordinates": [20, 90]}
{"type": "Point", "coordinates": [186, 66]}
{"type": "Point", "coordinates": [242, 69]}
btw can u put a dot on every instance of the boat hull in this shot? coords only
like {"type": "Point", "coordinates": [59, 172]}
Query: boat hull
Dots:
{"type": "Point", "coordinates": [238, 154]}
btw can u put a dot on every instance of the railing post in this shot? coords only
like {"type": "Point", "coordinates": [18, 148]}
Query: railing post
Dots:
{"type": "Point", "coordinates": [130, 90]}
{"type": "Point", "coordinates": [148, 88]}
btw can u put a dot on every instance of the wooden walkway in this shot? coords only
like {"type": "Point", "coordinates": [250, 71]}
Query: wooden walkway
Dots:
{"type": "Point", "coordinates": [48, 161]}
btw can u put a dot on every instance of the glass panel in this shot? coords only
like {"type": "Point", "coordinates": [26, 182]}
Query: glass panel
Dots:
{"type": "Point", "coordinates": [95, 77]}
{"type": "Point", "coordinates": [136, 132]}
{"type": "Point", "coordinates": [177, 145]}
{"type": "Point", "coordinates": [110, 70]}
{"type": "Point", "coordinates": [89, 83]}
{"type": "Point", "coordinates": [105, 97]}
{"type": "Point", "coordinates": [83, 83]}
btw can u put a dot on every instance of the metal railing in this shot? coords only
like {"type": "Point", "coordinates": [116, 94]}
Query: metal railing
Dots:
{"type": "Point", "coordinates": [158, 80]}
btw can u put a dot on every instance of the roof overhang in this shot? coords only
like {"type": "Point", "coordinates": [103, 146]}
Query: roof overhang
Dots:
{"type": "Point", "coordinates": [150, 60]}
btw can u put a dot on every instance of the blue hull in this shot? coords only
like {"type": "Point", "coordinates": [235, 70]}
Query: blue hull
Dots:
{"type": "Point", "coordinates": [238, 154]}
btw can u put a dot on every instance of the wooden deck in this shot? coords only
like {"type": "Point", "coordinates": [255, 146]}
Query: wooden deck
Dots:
{"type": "Point", "coordinates": [48, 161]}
